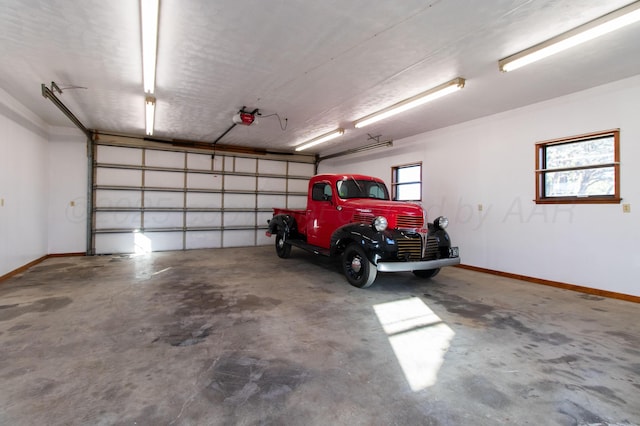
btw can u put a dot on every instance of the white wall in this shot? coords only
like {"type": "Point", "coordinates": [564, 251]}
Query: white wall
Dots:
{"type": "Point", "coordinates": [67, 190]}
{"type": "Point", "coordinates": [490, 161]}
{"type": "Point", "coordinates": [23, 185]}
{"type": "Point", "coordinates": [42, 170]}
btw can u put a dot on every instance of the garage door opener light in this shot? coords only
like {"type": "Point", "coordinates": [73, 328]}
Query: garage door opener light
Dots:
{"type": "Point", "coordinates": [412, 102]}
{"type": "Point", "coordinates": [600, 26]}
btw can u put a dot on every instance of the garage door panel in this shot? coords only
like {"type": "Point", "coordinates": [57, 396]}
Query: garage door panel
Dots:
{"type": "Point", "coordinates": [118, 220]}
{"type": "Point", "coordinates": [160, 179]}
{"type": "Point", "coordinates": [199, 161]}
{"type": "Point", "coordinates": [271, 201]}
{"type": "Point", "coordinates": [155, 158]}
{"type": "Point", "coordinates": [204, 200]}
{"type": "Point", "coordinates": [210, 162]}
{"type": "Point", "coordinates": [118, 177]}
{"type": "Point", "coordinates": [239, 219]}
{"type": "Point", "coordinates": [301, 169]}
{"type": "Point", "coordinates": [239, 183]}
{"type": "Point", "coordinates": [163, 219]}
{"type": "Point", "coordinates": [204, 181]}
{"type": "Point", "coordinates": [244, 165]}
{"type": "Point", "coordinates": [272, 184]}
{"type": "Point", "coordinates": [270, 167]}
{"type": "Point", "coordinates": [204, 219]}
{"type": "Point", "coordinates": [263, 217]}
{"type": "Point", "coordinates": [163, 199]}
{"type": "Point", "coordinates": [298, 185]}
{"type": "Point", "coordinates": [296, 202]}
{"type": "Point", "coordinates": [163, 241]}
{"type": "Point", "coordinates": [116, 198]}
{"type": "Point", "coordinates": [119, 155]}
{"type": "Point", "coordinates": [239, 201]}
{"type": "Point", "coordinates": [203, 239]}
{"type": "Point", "coordinates": [115, 243]}
{"type": "Point", "coordinates": [263, 240]}
{"type": "Point", "coordinates": [239, 238]}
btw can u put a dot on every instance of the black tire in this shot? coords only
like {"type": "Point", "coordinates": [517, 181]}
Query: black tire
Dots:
{"type": "Point", "coordinates": [283, 249]}
{"type": "Point", "coordinates": [426, 273]}
{"type": "Point", "coordinates": [357, 268]}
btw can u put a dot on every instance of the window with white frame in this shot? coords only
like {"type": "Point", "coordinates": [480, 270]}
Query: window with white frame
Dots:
{"type": "Point", "coordinates": [406, 182]}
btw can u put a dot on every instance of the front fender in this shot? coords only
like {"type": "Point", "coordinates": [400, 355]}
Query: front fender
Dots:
{"type": "Point", "coordinates": [283, 223]}
{"type": "Point", "coordinates": [443, 240]}
{"type": "Point", "coordinates": [360, 233]}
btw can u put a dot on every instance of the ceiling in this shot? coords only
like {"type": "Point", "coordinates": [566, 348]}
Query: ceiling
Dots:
{"type": "Point", "coordinates": [319, 64]}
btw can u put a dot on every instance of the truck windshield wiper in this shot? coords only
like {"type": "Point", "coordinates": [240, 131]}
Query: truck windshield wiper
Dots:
{"type": "Point", "coordinates": [360, 190]}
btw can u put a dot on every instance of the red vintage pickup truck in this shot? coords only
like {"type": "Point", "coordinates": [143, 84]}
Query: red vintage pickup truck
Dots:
{"type": "Point", "coordinates": [351, 216]}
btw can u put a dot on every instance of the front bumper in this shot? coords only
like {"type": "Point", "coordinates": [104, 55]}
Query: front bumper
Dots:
{"type": "Point", "coordinates": [416, 266]}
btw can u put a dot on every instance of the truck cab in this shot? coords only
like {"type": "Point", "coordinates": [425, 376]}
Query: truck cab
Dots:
{"type": "Point", "coordinates": [352, 217]}
{"type": "Point", "coordinates": [333, 203]}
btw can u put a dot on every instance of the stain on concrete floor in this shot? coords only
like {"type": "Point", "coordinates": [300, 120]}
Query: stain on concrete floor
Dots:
{"type": "Point", "coordinates": [239, 380]}
{"type": "Point", "coordinates": [49, 304]}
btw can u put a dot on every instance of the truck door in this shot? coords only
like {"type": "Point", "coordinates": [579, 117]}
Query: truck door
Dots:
{"type": "Point", "coordinates": [321, 214]}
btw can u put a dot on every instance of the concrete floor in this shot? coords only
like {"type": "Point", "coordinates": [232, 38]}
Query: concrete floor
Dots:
{"type": "Point", "coordinates": [240, 336]}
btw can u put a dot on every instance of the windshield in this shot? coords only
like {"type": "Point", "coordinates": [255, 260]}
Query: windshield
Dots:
{"type": "Point", "coordinates": [353, 188]}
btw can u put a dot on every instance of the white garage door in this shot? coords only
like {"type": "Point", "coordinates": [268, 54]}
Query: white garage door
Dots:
{"type": "Point", "coordinates": [156, 198]}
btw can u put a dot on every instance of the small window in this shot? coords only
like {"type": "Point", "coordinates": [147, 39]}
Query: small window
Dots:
{"type": "Point", "coordinates": [321, 192]}
{"type": "Point", "coordinates": [579, 169]}
{"type": "Point", "coordinates": [406, 182]}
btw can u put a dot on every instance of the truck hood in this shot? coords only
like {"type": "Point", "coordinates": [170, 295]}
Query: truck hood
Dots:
{"type": "Point", "coordinates": [382, 205]}
{"type": "Point", "coordinates": [365, 209]}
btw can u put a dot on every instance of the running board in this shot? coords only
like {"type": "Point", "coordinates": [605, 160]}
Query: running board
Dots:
{"type": "Point", "coordinates": [309, 247]}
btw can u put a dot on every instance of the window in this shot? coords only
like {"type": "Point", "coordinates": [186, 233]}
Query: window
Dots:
{"type": "Point", "coordinates": [579, 169]}
{"type": "Point", "coordinates": [356, 188]}
{"type": "Point", "coordinates": [406, 182]}
{"type": "Point", "coordinates": [321, 192]}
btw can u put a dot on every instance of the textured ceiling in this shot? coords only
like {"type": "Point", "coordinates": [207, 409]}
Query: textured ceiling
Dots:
{"type": "Point", "coordinates": [320, 64]}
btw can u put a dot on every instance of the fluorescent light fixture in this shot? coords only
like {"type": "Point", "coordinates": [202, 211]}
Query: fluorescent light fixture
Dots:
{"type": "Point", "coordinates": [150, 110]}
{"type": "Point", "coordinates": [320, 139]}
{"type": "Point", "coordinates": [414, 101]}
{"type": "Point", "coordinates": [600, 26]}
{"type": "Point", "coordinates": [149, 20]}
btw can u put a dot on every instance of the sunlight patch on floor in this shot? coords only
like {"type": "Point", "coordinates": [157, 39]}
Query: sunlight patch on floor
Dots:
{"type": "Point", "coordinates": [418, 337]}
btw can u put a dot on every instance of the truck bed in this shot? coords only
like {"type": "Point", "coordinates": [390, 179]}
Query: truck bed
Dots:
{"type": "Point", "coordinates": [300, 215]}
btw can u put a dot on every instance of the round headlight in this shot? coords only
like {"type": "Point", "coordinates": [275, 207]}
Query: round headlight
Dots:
{"type": "Point", "coordinates": [380, 223]}
{"type": "Point", "coordinates": [441, 222]}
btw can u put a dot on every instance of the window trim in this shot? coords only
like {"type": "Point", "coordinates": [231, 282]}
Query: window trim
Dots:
{"type": "Point", "coordinates": [540, 171]}
{"type": "Point", "coordinates": [395, 185]}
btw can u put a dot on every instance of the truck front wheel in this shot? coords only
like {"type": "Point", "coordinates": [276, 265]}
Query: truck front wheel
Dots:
{"type": "Point", "coordinates": [360, 272]}
{"type": "Point", "coordinates": [283, 248]}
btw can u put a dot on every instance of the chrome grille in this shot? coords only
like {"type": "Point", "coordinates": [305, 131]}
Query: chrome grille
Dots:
{"type": "Point", "coordinates": [410, 248]}
{"type": "Point", "coordinates": [362, 218]}
{"type": "Point", "coordinates": [410, 222]}
{"type": "Point", "coordinates": [432, 250]}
